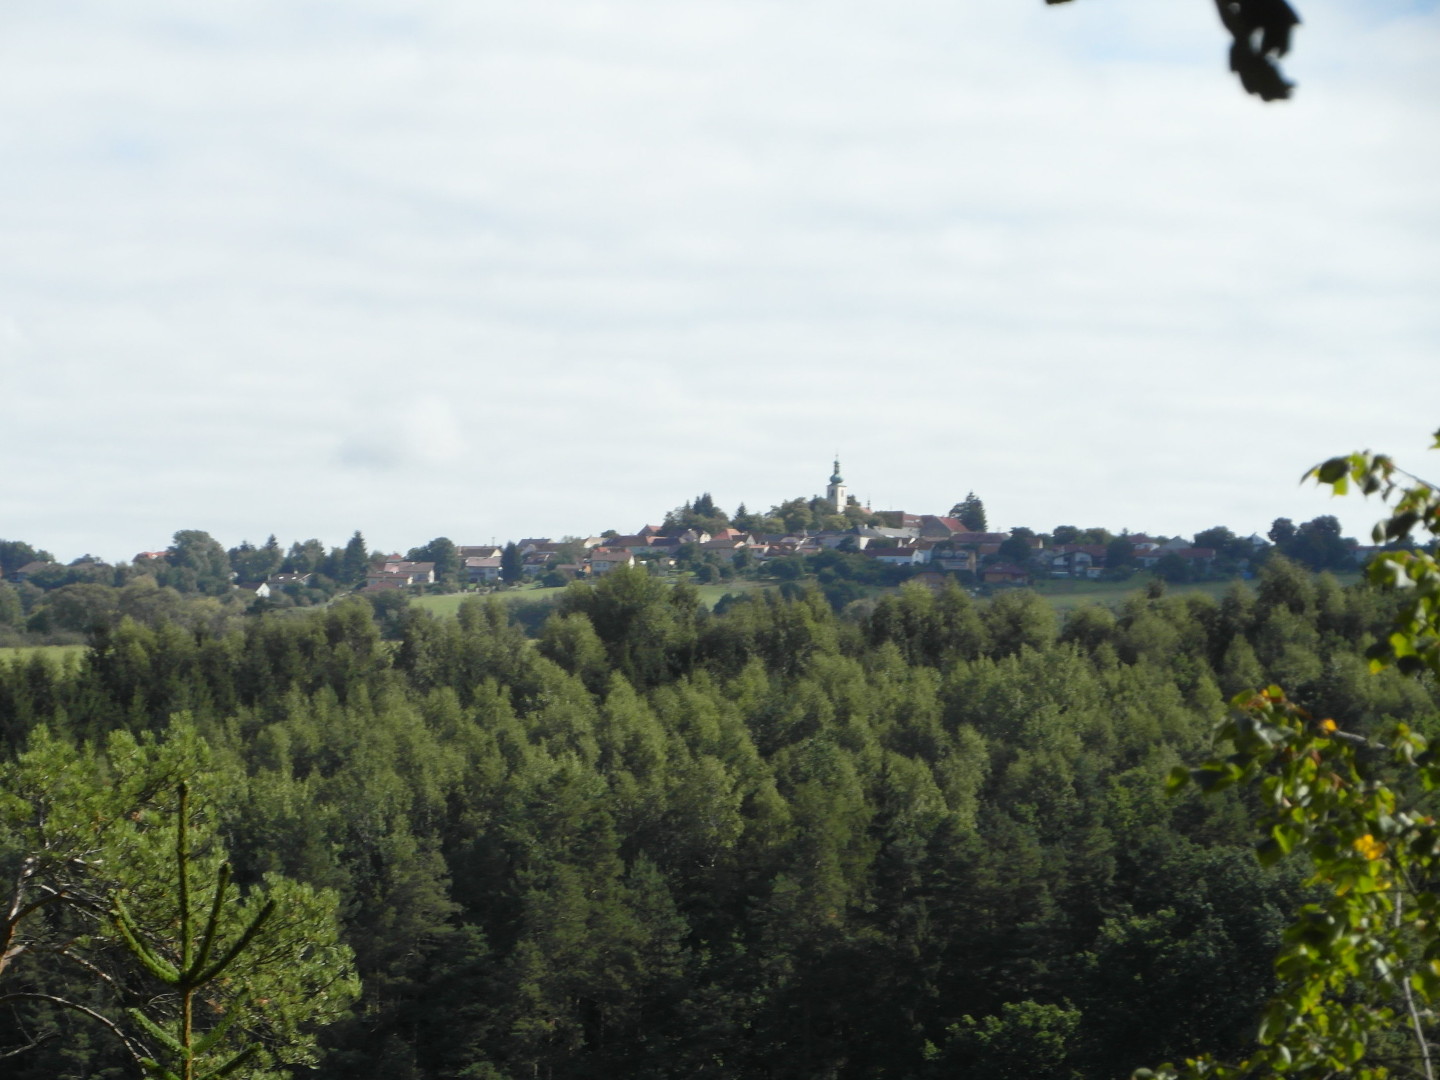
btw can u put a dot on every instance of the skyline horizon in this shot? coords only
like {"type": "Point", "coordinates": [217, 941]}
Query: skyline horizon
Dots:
{"type": "Point", "coordinates": [468, 268]}
{"type": "Point", "coordinates": [1362, 535]}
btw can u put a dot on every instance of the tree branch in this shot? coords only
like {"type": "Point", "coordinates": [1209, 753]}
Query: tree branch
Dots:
{"type": "Point", "coordinates": [131, 1047]}
{"type": "Point", "coordinates": [49, 1036]}
{"type": "Point", "coordinates": [1410, 1003]}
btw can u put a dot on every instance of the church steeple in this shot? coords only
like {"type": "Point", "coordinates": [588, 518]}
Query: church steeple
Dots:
{"type": "Point", "coordinates": [835, 493]}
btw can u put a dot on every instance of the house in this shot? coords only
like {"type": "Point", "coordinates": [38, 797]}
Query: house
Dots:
{"type": "Point", "coordinates": [1076, 560]}
{"type": "Point", "coordinates": [636, 545]}
{"type": "Point", "coordinates": [398, 573]}
{"type": "Point", "coordinates": [934, 527]}
{"type": "Point", "coordinates": [950, 557]}
{"type": "Point", "coordinates": [726, 549]}
{"type": "Point", "coordinates": [24, 573]}
{"type": "Point", "coordinates": [1198, 558]}
{"type": "Point", "coordinates": [603, 560]}
{"type": "Point", "coordinates": [897, 556]}
{"type": "Point", "coordinates": [895, 519]}
{"type": "Point", "coordinates": [386, 579]}
{"type": "Point", "coordinates": [482, 569]}
{"type": "Point", "coordinates": [280, 581]}
{"type": "Point", "coordinates": [379, 579]}
{"type": "Point", "coordinates": [420, 573]}
{"type": "Point", "coordinates": [980, 541]}
{"type": "Point", "coordinates": [478, 551]}
{"type": "Point", "coordinates": [259, 589]}
{"type": "Point", "coordinates": [879, 532]}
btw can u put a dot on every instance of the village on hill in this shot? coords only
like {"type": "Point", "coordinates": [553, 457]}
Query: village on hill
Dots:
{"type": "Point", "coordinates": [928, 548]}
{"type": "Point", "coordinates": [941, 544]}
{"type": "Point", "coordinates": [847, 547]}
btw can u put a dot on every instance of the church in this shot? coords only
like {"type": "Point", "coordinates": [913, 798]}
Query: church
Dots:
{"type": "Point", "coordinates": [836, 492]}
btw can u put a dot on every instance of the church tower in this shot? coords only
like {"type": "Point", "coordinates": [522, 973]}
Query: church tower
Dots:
{"type": "Point", "coordinates": [836, 492]}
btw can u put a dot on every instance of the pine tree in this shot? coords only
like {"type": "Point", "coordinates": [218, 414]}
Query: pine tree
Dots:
{"type": "Point", "coordinates": [111, 893]}
{"type": "Point", "coordinates": [971, 512]}
{"type": "Point", "coordinates": [355, 561]}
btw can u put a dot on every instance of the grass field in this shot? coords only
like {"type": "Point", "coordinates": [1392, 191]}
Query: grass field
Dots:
{"type": "Point", "coordinates": [710, 595]}
{"type": "Point", "coordinates": [56, 654]}
{"type": "Point", "coordinates": [448, 605]}
{"type": "Point", "coordinates": [1064, 596]}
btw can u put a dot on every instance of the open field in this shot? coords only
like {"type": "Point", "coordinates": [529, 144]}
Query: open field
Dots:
{"type": "Point", "coordinates": [56, 654]}
{"type": "Point", "coordinates": [710, 595]}
{"type": "Point", "coordinates": [1066, 596]}
{"type": "Point", "coordinates": [449, 604]}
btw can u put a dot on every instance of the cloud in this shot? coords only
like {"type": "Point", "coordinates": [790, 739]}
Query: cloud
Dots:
{"type": "Point", "coordinates": [266, 254]}
{"type": "Point", "coordinates": [422, 433]}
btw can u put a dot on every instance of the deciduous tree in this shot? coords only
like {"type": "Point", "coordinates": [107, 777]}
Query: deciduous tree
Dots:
{"type": "Point", "coordinates": [1360, 966]}
{"type": "Point", "coordinates": [197, 563]}
{"type": "Point", "coordinates": [1260, 35]}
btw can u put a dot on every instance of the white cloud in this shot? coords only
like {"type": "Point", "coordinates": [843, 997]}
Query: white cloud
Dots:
{"type": "Point", "coordinates": [404, 436]}
{"type": "Point", "coordinates": [562, 265]}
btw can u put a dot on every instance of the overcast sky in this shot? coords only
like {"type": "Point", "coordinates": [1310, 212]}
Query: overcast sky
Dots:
{"type": "Point", "coordinates": [492, 270]}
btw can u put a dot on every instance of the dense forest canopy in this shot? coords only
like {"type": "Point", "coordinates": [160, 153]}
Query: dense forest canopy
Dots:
{"type": "Point", "coordinates": [646, 839]}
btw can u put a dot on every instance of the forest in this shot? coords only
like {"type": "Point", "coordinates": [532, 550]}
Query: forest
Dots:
{"type": "Point", "coordinates": [920, 838]}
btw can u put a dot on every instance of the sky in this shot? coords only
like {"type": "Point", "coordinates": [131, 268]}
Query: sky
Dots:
{"type": "Point", "coordinates": [490, 271]}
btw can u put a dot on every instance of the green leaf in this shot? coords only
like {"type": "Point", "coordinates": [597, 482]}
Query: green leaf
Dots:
{"type": "Point", "coordinates": [1269, 851]}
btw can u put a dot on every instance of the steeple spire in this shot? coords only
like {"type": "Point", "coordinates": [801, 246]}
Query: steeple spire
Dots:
{"type": "Point", "coordinates": [835, 493]}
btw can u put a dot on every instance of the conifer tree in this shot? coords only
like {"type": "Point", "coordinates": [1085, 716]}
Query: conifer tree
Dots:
{"type": "Point", "coordinates": [971, 512]}
{"type": "Point", "coordinates": [354, 561]}
{"type": "Point", "coordinates": [120, 882]}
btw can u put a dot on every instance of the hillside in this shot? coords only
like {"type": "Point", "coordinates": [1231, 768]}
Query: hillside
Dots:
{"type": "Point", "coordinates": [924, 836]}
